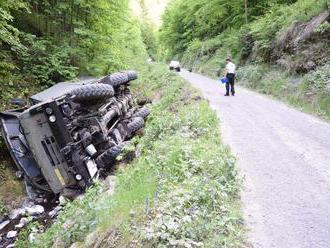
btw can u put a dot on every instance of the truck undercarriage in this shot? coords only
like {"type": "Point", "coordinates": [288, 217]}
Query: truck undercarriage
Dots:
{"type": "Point", "coordinates": [73, 132]}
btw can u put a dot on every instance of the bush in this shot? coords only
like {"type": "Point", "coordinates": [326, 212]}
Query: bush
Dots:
{"type": "Point", "coordinates": [310, 92]}
{"type": "Point", "coordinates": [46, 62]}
{"type": "Point", "coordinates": [317, 81]}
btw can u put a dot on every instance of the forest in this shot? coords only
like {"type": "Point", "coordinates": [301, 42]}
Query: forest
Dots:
{"type": "Point", "coordinates": [236, 26]}
{"type": "Point", "coordinates": [273, 42]}
{"type": "Point", "coordinates": [43, 42]}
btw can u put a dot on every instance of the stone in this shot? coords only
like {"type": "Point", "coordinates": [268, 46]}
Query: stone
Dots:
{"type": "Point", "coordinates": [62, 200]}
{"type": "Point", "coordinates": [4, 224]}
{"type": "Point", "coordinates": [14, 214]}
{"type": "Point", "coordinates": [310, 65]}
{"type": "Point", "coordinates": [68, 224]}
{"type": "Point", "coordinates": [54, 212]}
{"type": "Point", "coordinates": [110, 183]}
{"type": "Point", "coordinates": [19, 226]}
{"type": "Point", "coordinates": [32, 237]}
{"type": "Point", "coordinates": [11, 234]}
{"type": "Point", "coordinates": [35, 210]}
{"type": "Point", "coordinates": [24, 221]}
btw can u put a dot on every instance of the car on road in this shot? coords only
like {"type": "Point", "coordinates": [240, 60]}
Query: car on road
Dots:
{"type": "Point", "coordinates": [175, 65]}
{"type": "Point", "coordinates": [72, 132]}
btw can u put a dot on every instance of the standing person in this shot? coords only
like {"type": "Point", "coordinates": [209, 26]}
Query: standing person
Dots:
{"type": "Point", "coordinates": [230, 71]}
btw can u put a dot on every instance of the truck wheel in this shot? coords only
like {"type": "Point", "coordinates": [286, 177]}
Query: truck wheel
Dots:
{"type": "Point", "coordinates": [115, 79]}
{"type": "Point", "coordinates": [109, 155]}
{"type": "Point", "coordinates": [136, 124]}
{"type": "Point", "coordinates": [132, 75]}
{"type": "Point", "coordinates": [143, 112]}
{"type": "Point", "coordinates": [92, 92]}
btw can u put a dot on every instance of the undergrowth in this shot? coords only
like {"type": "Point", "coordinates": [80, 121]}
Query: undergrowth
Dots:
{"type": "Point", "coordinates": [310, 92]}
{"type": "Point", "coordinates": [181, 191]}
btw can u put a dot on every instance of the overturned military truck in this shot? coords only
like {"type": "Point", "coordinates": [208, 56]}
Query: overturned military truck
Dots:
{"type": "Point", "coordinates": [72, 132]}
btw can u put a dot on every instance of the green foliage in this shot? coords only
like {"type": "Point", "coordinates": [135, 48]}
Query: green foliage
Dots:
{"type": "Point", "coordinates": [278, 18]}
{"type": "Point", "coordinates": [203, 33]}
{"type": "Point", "coordinates": [185, 21]}
{"type": "Point", "coordinates": [23, 236]}
{"type": "Point", "coordinates": [310, 92]}
{"type": "Point", "coordinates": [8, 36]}
{"type": "Point", "coordinates": [3, 208]}
{"type": "Point", "coordinates": [191, 157]}
{"type": "Point", "coordinates": [149, 38]}
{"type": "Point", "coordinates": [43, 42]}
{"type": "Point", "coordinates": [318, 80]}
{"type": "Point", "coordinates": [323, 28]}
{"type": "Point", "coordinates": [45, 61]}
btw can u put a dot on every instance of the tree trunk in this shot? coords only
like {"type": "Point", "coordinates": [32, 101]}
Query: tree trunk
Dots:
{"type": "Point", "coordinates": [246, 10]}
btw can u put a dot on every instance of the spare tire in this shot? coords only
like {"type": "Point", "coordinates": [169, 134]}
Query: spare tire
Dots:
{"type": "Point", "coordinates": [92, 92]}
{"type": "Point", "coordinates": [115, 79]}
{"type": "Point", "coordinates": [143, 112]}
{"type": "Point", "coordinates": [136, 124]}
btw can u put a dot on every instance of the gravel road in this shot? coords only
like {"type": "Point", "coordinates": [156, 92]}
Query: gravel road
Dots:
{"type": "Point", "coordinates": [284, 156]}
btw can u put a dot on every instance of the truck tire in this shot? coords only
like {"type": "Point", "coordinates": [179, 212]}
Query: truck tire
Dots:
{"type": "Point", "coordinates": [92, 92]}
{"type": "Point", "coordinates": [143, 112]}
{"type": "Point", "coordinates": [136, 124]}
{"type": "Point", "coordinates": [115, 79]}
{"type": "Point", "coordinates": [132, 75]}
{"type": "Point", "coordinates": [107, 157]}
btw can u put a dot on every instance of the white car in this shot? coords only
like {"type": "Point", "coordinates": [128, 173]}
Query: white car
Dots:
{"type": "Point", "coordinates": [175, 65]}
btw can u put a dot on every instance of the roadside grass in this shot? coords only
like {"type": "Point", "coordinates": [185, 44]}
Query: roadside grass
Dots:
{"type": "Point", "coordinates": [182, 191]}
{"type": "Point", "coordinates": [310, 93]}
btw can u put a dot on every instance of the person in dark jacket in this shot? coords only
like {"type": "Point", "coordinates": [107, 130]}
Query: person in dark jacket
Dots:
{"type": "Point", "coordinates": [230, 71]}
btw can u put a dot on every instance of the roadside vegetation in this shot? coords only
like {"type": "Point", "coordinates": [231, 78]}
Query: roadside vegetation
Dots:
{"type": "Point", "coordinates": [309, 92]}
{"type": "Point", "coordinates": [281, 46]}
{"type": "Point", "coordinates": [181, 190]}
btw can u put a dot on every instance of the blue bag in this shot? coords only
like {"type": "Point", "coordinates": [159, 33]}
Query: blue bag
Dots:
{"type": "Point", "coordinates": [224, 80]}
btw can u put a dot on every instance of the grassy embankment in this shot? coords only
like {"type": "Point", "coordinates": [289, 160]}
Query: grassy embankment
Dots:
{"type": "Point", "coordinates": [277, 54]}
{"type": "Point", "coordinates": [182, 190]}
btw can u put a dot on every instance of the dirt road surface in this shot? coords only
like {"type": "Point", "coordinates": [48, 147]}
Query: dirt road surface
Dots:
{"type": "Point", "coordinates": [284, 156]}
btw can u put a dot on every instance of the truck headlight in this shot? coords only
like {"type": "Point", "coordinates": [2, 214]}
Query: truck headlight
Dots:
{"type": "Point", "coordinates": [49, 111]}
{"type": "Point", "coordinates": [52, 118]}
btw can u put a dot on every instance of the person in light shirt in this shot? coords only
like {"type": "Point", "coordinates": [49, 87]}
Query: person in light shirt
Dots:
{"type": "Point", "coordinates": [230, 71]}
